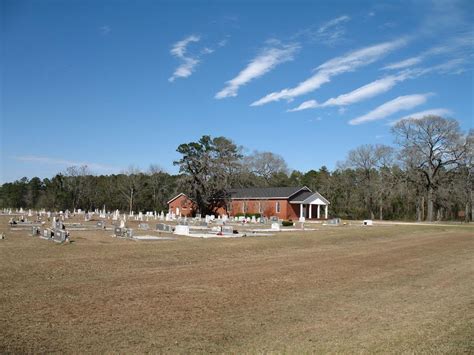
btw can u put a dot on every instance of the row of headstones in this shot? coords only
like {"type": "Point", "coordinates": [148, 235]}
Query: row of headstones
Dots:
{"type": "Point", "coordinates": [57, 235]}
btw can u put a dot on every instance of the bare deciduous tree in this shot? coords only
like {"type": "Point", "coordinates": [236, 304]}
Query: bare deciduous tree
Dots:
{"type": "Point", "coordinates": [128, 185]}
{"type": "Point", "coordinates": [75, 181]}
{"type": "Point", "coordinates": [367, 159]}
{"type": "Point", "coordinates": [266, 165]}
{"type": "Point", "coordinates": [432, 145]}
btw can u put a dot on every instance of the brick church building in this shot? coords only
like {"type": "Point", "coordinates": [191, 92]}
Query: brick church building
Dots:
{"type": "Point", "coordinates": [283, 202]}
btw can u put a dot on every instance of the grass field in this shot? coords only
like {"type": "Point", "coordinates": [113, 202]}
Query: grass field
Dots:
{"type": "Point", "coordinates": [339, 289]}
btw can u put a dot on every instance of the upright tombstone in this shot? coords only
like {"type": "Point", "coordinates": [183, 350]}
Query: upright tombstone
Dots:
{"type": "Point", "coordinates": [181, 230]}
{"type": "Point", "coordinates": [227, 230]}
{"type": "Point", "coordinates": [59, 236]}
{"type": "Point", "coordinates": [118, 231]}
{"type": "Point", "coordinates": [35, 231]}
{"type": "Point", "coordinates": [275, 226]}
{"type": "Point", "coordinates": [143, 226]}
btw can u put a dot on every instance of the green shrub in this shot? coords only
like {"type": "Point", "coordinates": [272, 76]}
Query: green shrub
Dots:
{"type": "Point", "coordinates": [287, 223]}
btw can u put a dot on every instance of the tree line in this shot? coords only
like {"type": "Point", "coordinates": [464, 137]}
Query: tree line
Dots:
{"type": "Point", "coordinates": [427, 175]}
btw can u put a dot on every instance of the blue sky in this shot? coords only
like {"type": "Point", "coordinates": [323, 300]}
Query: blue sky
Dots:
{"type": "Point", "coordinates": [112, 84]}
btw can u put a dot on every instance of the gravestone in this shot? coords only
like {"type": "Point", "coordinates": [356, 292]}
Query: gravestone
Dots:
{"type": "Point", "coordinates": [275, 226]}
{"type": "Point", "coordinates": [129, 233]}
{"type": "Point", "coordinates": [227, 230]}
{"type": "Point", "coordinates": [181, 230]}
{"type": "Point", "coordinates": [35, 231]}
{"type": "Point", "coordinates": [118, 231]}
{"type": "Point", "coordinates": [143, 226]}
{"type": "Point", "coordinates": [368, 222]}
{"type": "Point", "coordinates": [59, 236]}
{"type": "Point", "coordinates": [334, 221]}
{"type": "Point", "coordinates": [46, 234]}
{"type": "Point", "coordinates": [100, 224]}
{"type": "Point", "coordinates": [164, 228]}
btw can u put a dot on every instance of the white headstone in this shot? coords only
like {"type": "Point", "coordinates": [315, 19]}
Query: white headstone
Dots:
{"type": "Point", "coordinates": [275, 226]}
{"type": "Point", "coordinates": [181, 230]}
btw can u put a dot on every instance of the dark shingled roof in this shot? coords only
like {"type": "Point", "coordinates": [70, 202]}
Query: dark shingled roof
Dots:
{"type": "Point", "coordinates": [307, 197]}
{"type": "Point", "coordinates": [301, 196]}
{"type": "Point", "coordinates": [266, 192]}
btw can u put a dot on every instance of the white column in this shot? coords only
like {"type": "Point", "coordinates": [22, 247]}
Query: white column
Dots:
{"type": "Point", "coordinates": [319, 211]}
{"type": "Point", "coordinates": [310, 210]}
{"type": "Point", "coordinates": [326, 211]}
{"type": "Point", "coordinates": [301, 210]}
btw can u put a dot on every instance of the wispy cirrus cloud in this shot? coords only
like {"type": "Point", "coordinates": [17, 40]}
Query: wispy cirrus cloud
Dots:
{"type": "Point", "coordinates": [404, 63]}
{"type": "Point", "coordinates": [179, 50]}
{"type": "Point", "coordinates": [365, 92]}
{"type": "Point", "coordinates": [459, 46]}
{"type": "Point", "coordinates": [64, 162]}
{"type": "Point", "coordinates": [401, 103]}
{"type": "Point", "coordinates": [421, 114]}
{"type": "Point", "coordinates": [333, 31]}
{"type": "Point", "coordinates": [268, 59]}
{"type": "Point", "coordinates": [333, 67]}
{"type": "Point", "coordinates": [329, 33]}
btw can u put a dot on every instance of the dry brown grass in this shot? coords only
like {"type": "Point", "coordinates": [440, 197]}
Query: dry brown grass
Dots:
{"type": "Point", "coordinates": [347, 289]}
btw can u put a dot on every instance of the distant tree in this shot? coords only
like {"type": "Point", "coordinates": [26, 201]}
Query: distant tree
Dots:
{"type": "Point", "coordinates": [75, 183]}
{"type": "Point", "coordinates": [434, 146]}
{"type": "Point", "coordinates": [267, 165]}
{"type": "Point", "coordinates": [209, 169]}
{"type": "Point", "coordinates": [366, 160]}
{"type": "Point", "coordinates": [129, 185]}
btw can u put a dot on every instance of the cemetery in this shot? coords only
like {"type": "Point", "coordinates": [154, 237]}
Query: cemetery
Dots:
{"type": "Point", "coordinates": [151, 225]}
{"type": "Point", "coordinates": [217, 282]}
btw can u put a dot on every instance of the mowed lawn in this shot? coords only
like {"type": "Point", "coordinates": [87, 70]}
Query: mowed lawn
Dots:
{"type": "Point", "coordinates": [339, 289]}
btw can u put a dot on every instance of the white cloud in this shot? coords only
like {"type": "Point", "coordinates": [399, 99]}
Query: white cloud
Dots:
{"type": "Point", "coordinates": [401, 103]}
{"type": "Point", "coordinates": [185, 69]}
{"type": "Point", "coordinates": [188, 64]}
{"type": "Point", "coordinates": [404, 63]}
{"type": "Point", "coordinates": [329, 33]}
{"type": "Point", "coordinates": [421, 114]}
{"type": "Point", "coordinates": [367, 91]}
{"type": "Point", "coordinates": [332, 31]}
{"type": "Point", "coordinates": [333, 67]}
{"type": "Point", "coordinates": [179, 48]}
{"type": "Point", "coordinates": [268, 59]}
{"type": "Point", "coordinates": [305, 106]}
{"type": "Point", "coordinates": [64, 162]}
{"type": "Point", "coordinates": [459, 46]}
{"type": "Point", "coordinates": [334, 22]}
